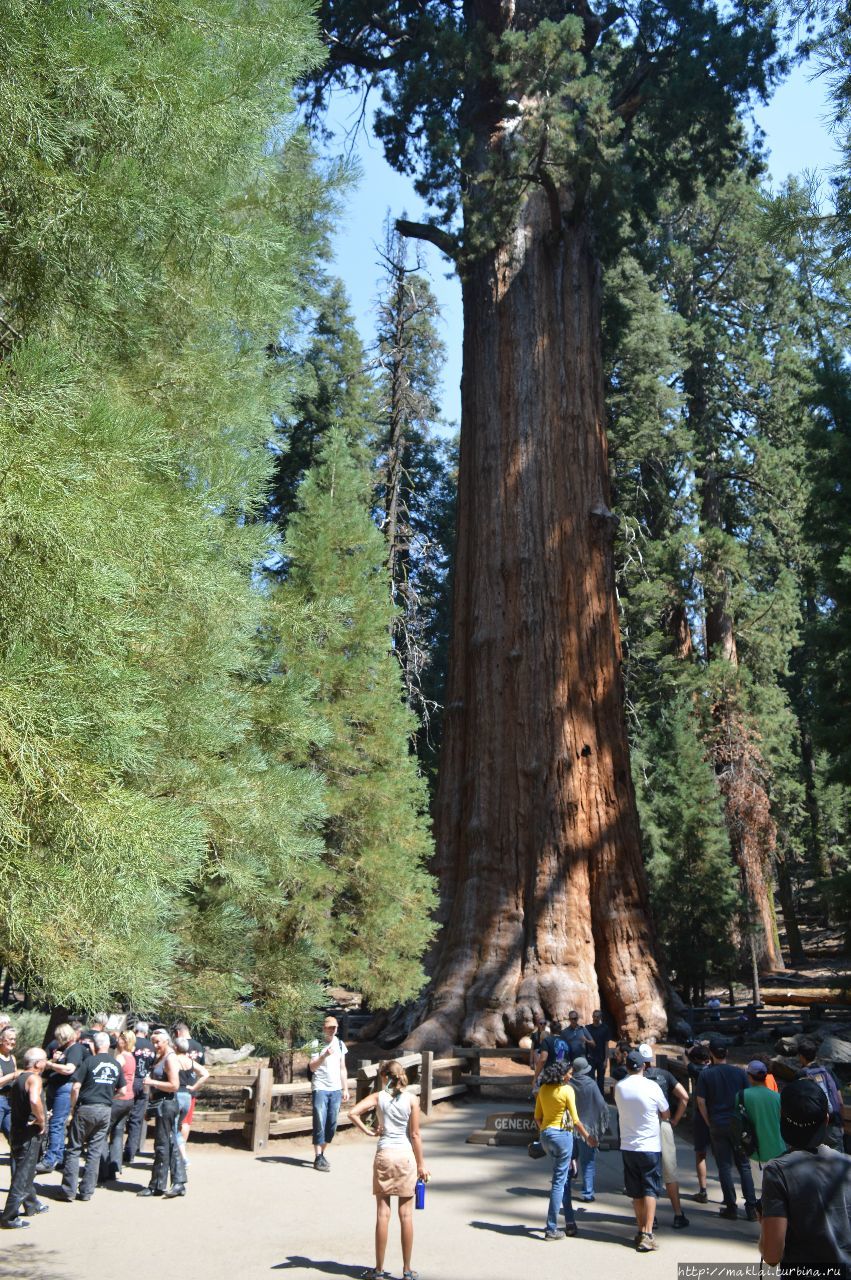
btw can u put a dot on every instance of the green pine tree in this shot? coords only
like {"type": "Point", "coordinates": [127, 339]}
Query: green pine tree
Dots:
{"type": "Point", "coordinates": [157, 818]}
{"type": "Point", "coordinates": [693, 880]}
{"type": "Point", "coordinates": [377, 837]}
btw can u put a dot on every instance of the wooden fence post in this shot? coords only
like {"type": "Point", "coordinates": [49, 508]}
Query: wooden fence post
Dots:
{"type": "Point", "coordinates": [262, 1108]}
{"type": "Point", "coordinates": [426, 1081]}
{"type": "Point", "coordinates": [474, 1080]}
{"type": "Point", "coordinates": [363, 1087]}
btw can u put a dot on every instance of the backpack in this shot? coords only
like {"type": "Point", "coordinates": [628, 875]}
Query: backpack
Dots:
{"type": "Point", "coordinates": [827, 1084]}
{"type": "Point", "coordinates": [742, 1128]}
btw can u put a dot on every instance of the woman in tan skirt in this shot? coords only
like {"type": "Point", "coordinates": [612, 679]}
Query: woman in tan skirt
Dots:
{"type": "Point", "coordinates": [398, 1161]}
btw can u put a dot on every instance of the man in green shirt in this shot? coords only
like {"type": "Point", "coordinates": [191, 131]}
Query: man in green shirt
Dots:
{"type": "Point", "coordinates": [763, 1107]}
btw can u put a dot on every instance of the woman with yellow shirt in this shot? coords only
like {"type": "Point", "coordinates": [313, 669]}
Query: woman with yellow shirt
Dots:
{"type": "Point", "coordinates": [557, 1119]}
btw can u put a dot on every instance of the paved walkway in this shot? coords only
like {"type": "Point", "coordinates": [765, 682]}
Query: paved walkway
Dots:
{"type": "Point", "coordinates": [247, 1218]}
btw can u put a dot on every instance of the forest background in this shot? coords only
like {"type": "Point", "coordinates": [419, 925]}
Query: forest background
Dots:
{"type": "Point", "coordinates": [227, 543]}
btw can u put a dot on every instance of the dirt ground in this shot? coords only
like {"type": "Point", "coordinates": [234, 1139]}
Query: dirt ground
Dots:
{"type": "Point", "coordinates": [247, 1217]}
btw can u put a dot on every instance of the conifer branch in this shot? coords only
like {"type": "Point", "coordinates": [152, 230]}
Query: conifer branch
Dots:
{"type": "Point", "coordinates": [444, 240]}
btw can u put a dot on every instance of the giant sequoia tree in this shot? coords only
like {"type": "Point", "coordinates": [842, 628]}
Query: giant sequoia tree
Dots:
{"type": "Point", "coordinates": [529, 129]}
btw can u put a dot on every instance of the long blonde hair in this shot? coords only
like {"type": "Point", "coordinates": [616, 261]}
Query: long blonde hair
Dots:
{"type": "Point", "coordinates": [394, 1073]}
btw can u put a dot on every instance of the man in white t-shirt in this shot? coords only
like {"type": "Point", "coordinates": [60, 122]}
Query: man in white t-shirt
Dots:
{"type": "Point", "coordinates": [641, 1106]}
{"type": "Point", "coordinates": [330, 1084]}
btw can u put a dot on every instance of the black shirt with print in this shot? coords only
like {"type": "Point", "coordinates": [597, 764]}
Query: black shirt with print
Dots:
{"type": "Point", "coordinates": [100, 1077]}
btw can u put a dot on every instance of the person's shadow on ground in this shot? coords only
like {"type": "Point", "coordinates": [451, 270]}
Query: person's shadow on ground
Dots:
{"type": "Point", "coordinates": [295, 1263]}
{"type": "Point", "coordinates": [586, 1230]}
{"type": "Point", "coordinates": [509, 1229]}
{"type": "Point", "coordinates": [295, 1160]}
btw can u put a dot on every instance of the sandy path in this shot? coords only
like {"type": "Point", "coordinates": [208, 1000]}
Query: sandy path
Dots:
{"type": "Point", "coordinates": [248, 1218]}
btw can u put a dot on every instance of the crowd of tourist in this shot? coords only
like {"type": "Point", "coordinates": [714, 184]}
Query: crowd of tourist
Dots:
{"type": "Point", "coordinates": [741, 1115]}
{"type": "Point", "coordinates": [84, 1101]}
{"type": "Point", "coordinates": [86, 1098]}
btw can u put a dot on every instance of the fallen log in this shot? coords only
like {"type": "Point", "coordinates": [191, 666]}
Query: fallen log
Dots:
{"type": "Point", "coordinates": [805, 996]}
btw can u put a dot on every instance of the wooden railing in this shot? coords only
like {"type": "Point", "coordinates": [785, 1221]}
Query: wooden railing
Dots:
{"type": "Point", "coordinates": [431, 1079]}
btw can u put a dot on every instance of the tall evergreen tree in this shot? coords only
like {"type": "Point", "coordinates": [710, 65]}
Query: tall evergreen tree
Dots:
{"type": "Point", "coordinates": [712, 514]}
{"type": "Point", "coordinates": [411, 462]}
{"type": "Point", "coordinates": [334, 389]}
{"type": "Point", "coordinates": [529, 130]}
{"type": "Point", "coordinates": [159, 225]}
{"type": "Point", "coordinates": [693, 879]}
{"type": "Point", "coordinates": [377, 833]}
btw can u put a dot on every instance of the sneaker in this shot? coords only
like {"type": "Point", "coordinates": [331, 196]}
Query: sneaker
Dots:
{"type": "Point", "coordinates": [13, 1224]}
{"type": "Point", "coordinates": [702, 1196]}
{"type": "Point", "coordinates": [646, 1243]}
{"type": "Point", "coordinates": [44, 1166]}
{"type": "Point", "coordinates": [728, 1211]}
{"type": "Point", "coordinates": [553, 1235]}
{"type": "Point", "coordinates": [41, 1207]}
{"type": "Point", "coordinates": [571, 1229]}
{"type": "Point", "coordinates": [588, 1199]}
{"type": "Point", "coordinates": [321, 1164]}
{"type": "Point", "coordinates": [751, 1213]}
{"type": "Point", "coordinates": [680, 1221]}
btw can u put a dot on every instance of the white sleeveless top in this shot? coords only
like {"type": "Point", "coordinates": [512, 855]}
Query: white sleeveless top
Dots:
{"type": "Point", "coordinates": [394, 1114]}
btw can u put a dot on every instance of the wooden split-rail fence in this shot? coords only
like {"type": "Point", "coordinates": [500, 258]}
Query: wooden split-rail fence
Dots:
{"type": "Point", "coordinates": [432, 1079]}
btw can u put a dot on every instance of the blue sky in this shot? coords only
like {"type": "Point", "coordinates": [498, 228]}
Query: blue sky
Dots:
{"type": "Point", "coordinates": [797, 137]}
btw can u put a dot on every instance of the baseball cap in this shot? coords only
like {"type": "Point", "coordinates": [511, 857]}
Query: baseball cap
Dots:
{"type": "Point", "coordinates": [634, 1060]}
{"type": "Point", "coordinates": [717, 1046]}
{"type": "Point", "coordinates": [756, 1068]}
{"type": "Point", "coordinates": [646, 1052]}
{"type": "Point", "coordinates": [803, 1113]}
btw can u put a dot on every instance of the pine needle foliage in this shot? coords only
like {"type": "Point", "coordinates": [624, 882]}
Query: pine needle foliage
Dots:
{"type": "Point", "coordinates": [159, 217]}
{"type": "Point", "coordinates": [377, 833]}
{"type": "Point", "coordinates": [694, 883]}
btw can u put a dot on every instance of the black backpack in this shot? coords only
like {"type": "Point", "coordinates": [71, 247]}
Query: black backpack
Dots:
{"type": "Point", "coordinates": [742, 1129]}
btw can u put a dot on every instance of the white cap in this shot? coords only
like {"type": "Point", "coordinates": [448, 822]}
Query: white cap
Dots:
{"type": "Point", "coordinates": [646, 1052]}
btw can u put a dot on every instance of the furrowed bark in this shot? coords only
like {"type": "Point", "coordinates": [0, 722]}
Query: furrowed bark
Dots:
{"type": "Point", "coordinates": [543, 894]}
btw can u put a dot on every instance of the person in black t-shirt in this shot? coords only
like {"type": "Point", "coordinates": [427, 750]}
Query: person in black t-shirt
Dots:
{"type": "Point", "coordinates": [96, 1081]}
{"type": "Point", "coordinates": [697, 1060]}
{"type": "Point", "coordinates": [196, 1050]}
{"type": "Point", "coordinates": [716, 1092]}
{"type": "Point", "coordinates": [145, 1056]}
{"type": "Point", "coordinates": [806, 1193]}
{"type": "Point", "coordinates": [27, 1126]}
{"type": "Point", "coordinates": [598, 1056]}
{"type": "Point", "coordinates": [64, 1056]}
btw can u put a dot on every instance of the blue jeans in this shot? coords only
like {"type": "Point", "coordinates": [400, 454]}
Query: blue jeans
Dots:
{"type": "Point", "coordinates": [5, 1117]}
{"type": "Point", "coordinates": [60, 1106]}
{"type": "Point", "coordinates": [326, 1108]}
{"type": "Point", "coordinates": [558, 1143]}
{"type": "Point", "coordinates": [726, 1159]}
{"type": "Point", "coordinates": [588, 1164]}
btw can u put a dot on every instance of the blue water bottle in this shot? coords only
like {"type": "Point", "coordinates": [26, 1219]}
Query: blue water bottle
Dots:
{"type": "Point", "coordinates": [419, 1199]}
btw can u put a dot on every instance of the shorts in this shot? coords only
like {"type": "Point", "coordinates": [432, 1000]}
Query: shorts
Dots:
{"type": "Point", "coordinates": [394, 1172]}
{"type": "Point", "coordinates": [642, 1174]}
{"type": "Point", "coordinates": [701, 1133]}
{"type": "Point", "coordinates": [190, 1113]}
{"type": "Point", "coordinates": [669, 1153]}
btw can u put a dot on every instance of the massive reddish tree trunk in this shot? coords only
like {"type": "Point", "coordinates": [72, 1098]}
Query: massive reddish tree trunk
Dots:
{"type": "Point", "coordinates": [543, 893]}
